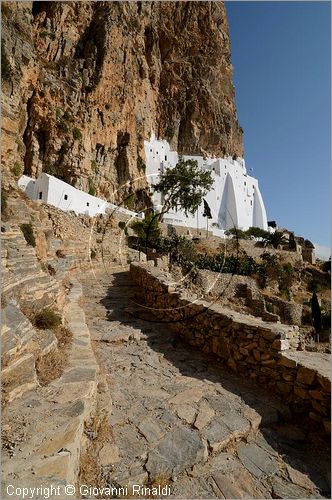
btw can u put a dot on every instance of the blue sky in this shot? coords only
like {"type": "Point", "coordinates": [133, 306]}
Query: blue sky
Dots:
{"type": "Point", "coordinates": [281, 58]}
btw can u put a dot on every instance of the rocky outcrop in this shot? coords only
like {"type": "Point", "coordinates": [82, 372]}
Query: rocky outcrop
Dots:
{"type": "Point", "coordinates": [86, 83]}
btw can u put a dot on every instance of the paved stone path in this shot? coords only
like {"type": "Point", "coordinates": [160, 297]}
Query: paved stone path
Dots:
{"type": "Point", "coordinates": [179, 418]}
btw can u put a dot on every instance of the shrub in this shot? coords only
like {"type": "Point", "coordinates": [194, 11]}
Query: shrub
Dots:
{"type": "Point", "coordinates": [4, 200]}
{"type": "Point", "coordinates": [77, 134]}
{"type": "Point", "coordinates": [92, 187]}
{"type": "Point", "coordinates": [6, 70]}
{"type": "Point", "coordinates": [326, 266]}
{"type": "Point", "coordinates": [285, 293]}
{"type": "Point", "coordinates": [269, 307]}
{"type": "Point", "coordinates": [236, 233]}
{"type": "Point", "coordinates": [49, 169]}
{"type": "Point", "coordinates": [94, 165]}
{"type": "Point", "coordinates": [47, 319]}
{"type": "Point", "coordinates": [17, 169]}
{"type": "Point", "coordinates": [129, 201]}
{"type": "Point", "coordinates": [27, 231]}
{"type": "Point", "coordinates": [62, 125]}
{"type": "Point", "coordinates": [67, 116]}
{"type": "Point", "coordinates": [140, 164]}
{"type": "Point", "coordinates": [315, 286]}
{"type": "Point", "coordinates": [256, 232]}
{"type": "Point", "coordinates": [93, 254]}
{"type": "Point", "coordinates": [316, 313]}
{"type": "Point", "coordinates": [122, 225]}
{"type": "Point", "coordinates": [107, 106]}
{"type": "Point", "coordinates": [169, 132]}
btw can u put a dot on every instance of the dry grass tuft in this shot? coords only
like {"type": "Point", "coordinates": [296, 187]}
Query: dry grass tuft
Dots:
{"type": "Point", "coordinates": [50, 366]}
{"type": "Point", "coordinates": [99, 433]}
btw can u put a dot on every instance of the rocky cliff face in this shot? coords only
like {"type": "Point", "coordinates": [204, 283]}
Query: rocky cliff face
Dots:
{"type": "Point", "coordinates": [84, 83]}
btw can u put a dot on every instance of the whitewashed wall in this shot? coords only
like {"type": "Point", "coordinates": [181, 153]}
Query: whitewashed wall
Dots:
{"type": "Point", "coordinates": [53, 191]}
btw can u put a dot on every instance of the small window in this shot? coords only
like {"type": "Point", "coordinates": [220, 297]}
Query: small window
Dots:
{"type": "Point", "coordinates": [66, 196]}
{"type": "Point", "coordinates": [87, 204]}
{"type": "Point", "coordinates": [165, 157]}
{"type": "Point", "coordinates": [245, 183]}
{"type": "Point", "coordinates": [40, 196]}
{"type": "Point", "coordinates": [150, 150]}
{"type": "Point", "coordinates": [250, 202]}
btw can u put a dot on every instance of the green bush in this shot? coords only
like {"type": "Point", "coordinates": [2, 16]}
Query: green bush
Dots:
{"type": "Point", "coordinates": [6, 70]}
{"type": "Point", "coordinates": [94, 165]}
{"type": "Point", "coordinates": [77, 134]}
{"type": "Point", "coordinates": [129, 201]}
{"type": "Point", "coordinates": [47, 319]}
{"type": "Point", "coordinates": [237, 233]}
{"type": "Point", "coordinates": [140, 164]}
{"type": "Point", "coordinates": [326, 266]}
{"type": "Point", "coordinates": [122, 225]}
{"type": "Point", "coordinates": [27, 231]}
{"type": "Point", "coordinates": [169, 132]}
{"type": "Point", "coordinates": [315, 286]}
{"type": "Point", "coordinates": [4, 200]}
{"type": "Point", "coordinates": [92, 187]}
{"type": "Point", "coordinates": [256, 232]}
{"type": "Point", "coordinates": [67, 116]}
{"type": "Point", "coordinates": [17, 169]}
{"type": "Point", "coordinates": [269, 307]}
{"type": "Point", "coordinates": [49, 169]}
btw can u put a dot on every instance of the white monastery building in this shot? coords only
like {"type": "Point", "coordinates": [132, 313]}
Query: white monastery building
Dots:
{"type": "Point", "coordinates": [234, 200]}
{"type": "Point", "coordinates": [59, 194]}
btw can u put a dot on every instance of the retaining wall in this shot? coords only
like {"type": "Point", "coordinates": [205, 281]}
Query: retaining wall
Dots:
{"type": "Point", "coordinates": [262, 351]}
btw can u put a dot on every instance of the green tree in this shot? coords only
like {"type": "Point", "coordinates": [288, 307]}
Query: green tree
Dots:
{"type": "Point", "coordinates": [275, 239]}
{"type": "Point", "coordinates": [183, 187]}
{"type": "Point", "coordinates": [147, 230]}
{"type": "Point", "coordinates": [316, 314]}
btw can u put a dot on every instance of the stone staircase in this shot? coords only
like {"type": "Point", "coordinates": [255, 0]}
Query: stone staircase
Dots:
{"type": "Point", "coordinates": [43, 427]}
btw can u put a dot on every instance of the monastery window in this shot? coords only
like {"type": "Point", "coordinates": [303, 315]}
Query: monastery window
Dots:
{"type": "Point", "coordinates": [250, 202]}
{"type": "Point", "coordinates": [245, 183]}
{"type": "Point", "coordinates": [40, 196]}
{"type": "Point", "coordinates": [165, 157]}
{"type": "Point", "coordinates": [150, 150]}
{"type": "Point", "coordinates": [87, 204]}
{"type": "Point", "coordinates": [65, 196]}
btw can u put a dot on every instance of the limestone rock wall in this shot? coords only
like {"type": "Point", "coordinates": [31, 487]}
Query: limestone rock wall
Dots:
{"type": "Point", "coordinates": [86, 82]}
{"type": "Point", "coordinates": [264, 352]}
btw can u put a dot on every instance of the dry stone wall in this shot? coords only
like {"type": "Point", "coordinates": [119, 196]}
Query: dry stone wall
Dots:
{"type": "Point", "coordinates": [264, 352]}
